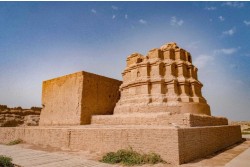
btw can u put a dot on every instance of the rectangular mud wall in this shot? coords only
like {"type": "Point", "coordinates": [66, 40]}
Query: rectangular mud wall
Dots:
{"type": "Point", "coordinates": [61, 100]}
{"type": "Point", "coordinates": [202, 141]}
{"type": "Point", "coordinates": [58, 138]}
{"type": "Point", "coordinates": [163, 141]}
{"type": "Point", "coordinates": [175, 145]}
{"type": "Point", "coordinates": [100, 94]}
{"type": "Point", "coordinates": [73, 99]}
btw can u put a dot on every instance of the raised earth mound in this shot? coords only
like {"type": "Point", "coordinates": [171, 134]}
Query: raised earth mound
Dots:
{"type": "Point", "coordinates": [11, 117]}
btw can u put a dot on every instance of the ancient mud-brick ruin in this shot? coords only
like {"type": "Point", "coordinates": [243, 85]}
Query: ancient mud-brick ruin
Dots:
{"type": "Point", "coordinates": [164, 80]}
{"type": "Point", "coordinates": [12, 117]}
{"type": "Point", "coordinates": [161, 109]}
{"type": "Point", "coordinates": [158, 89]}
{"type": "Point", "coordinates": [74, 98]}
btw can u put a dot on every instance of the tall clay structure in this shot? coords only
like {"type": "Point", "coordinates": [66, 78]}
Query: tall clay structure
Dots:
{"type": "Point", "coordinates": [163, 81]}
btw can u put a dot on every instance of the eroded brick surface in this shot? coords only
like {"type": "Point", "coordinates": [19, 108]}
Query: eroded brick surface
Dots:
{"type": "Point", "coordinates": [72, 99]}
{"type": "Point", "coordinates": [175, 145]}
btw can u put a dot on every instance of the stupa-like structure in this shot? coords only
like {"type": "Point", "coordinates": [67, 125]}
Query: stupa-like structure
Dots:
{"type": "Point", "coordinates": [161, 88]}
{"type": "Point", "coordinates": [163, 81]}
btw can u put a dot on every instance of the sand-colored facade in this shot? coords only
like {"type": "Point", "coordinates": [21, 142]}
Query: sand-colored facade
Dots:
{"type": "Point", "coordinates": [175, 145]}
{"type": "Point", "coordinates": [165, 80]}
{"type": "Point", "coordinates": [159, 89]}
{"type": "Point", "coordinates": [74, 98]}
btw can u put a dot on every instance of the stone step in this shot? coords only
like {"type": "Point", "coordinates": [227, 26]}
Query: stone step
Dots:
{"type": "Point", "coordinates": [132, 119]}
{"type": "Point", "coordinates": [160, 118]}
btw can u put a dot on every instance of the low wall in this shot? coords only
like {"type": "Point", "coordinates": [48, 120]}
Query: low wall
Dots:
{"type": "Point", "coordinates": [160, 118]}
{"type": "Point", "coordinates": [175, 145]}
{"type": "Point", "coordinates": [142, 139]}
{"type": "Point", "coordinates": [199, 142]}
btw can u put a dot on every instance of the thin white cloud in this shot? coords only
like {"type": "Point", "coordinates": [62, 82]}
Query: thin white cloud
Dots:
{"type": "Point", "coordinates": [126, 16]}
{"type": "Point", "coordinates": [229, 32]}
{"type": "Point", "coordinates": [175, 22]}
{"type": "Point", "coordinates": [114, 16]}
{"type": "Point", "coordinates": [247, 22]}
{"type": "Point", "coordinates": [226, 51]}
{"type": "Point", "coordinates": [93, 11]}
{"type": "Point", "coordinates": [247, 54]}
{"type": "Point", "coordinates": [143, 21]}
{"type": "Point", "coordinates": [114, 7]}
{"type": "Point", "coordinates": [210, 8]}
{"type": "Point", "coordinates": [193, 45]}
{"type": "Point", "coordinates": [221, 18]}
{"type": "Point", "coordinates": [203, 60]}
{"type": "Point", "coordinates": [234, 4]}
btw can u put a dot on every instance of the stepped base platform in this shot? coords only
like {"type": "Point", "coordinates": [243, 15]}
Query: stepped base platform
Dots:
{"type": "Point", "coordinates": [175, 145]}
{"type": "Point", "coordinates": [159, 118]}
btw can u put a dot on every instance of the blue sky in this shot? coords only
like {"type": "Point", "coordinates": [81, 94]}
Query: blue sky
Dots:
{"type": "Point", "coordinates": [43, 40]}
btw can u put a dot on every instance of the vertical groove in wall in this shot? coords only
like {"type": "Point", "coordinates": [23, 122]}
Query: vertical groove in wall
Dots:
{"type": "Point", "coordinates": [179, 142]}
{"type": "Point", "coordinates": [69, 138]}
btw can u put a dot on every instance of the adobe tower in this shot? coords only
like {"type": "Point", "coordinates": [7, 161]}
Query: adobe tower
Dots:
{"type": "Point", "coordinates": [161, 88]}
{"type": "Point", "coordinates": [163, 81]}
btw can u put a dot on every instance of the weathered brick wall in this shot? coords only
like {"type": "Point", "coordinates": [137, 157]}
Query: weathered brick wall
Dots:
{"type": "Point", "coordinates": [203, 120]}
{"type": "Point", "coordinates": [72, 99]}
{"type": "Point", "coordinates": [8, 134]}
{"type": "Point", "coordinates": [39, 136]}
{"type": "Point", "coordinates": [100, 95]}
{"type": "Point", "coordinates": [194, 120]}
{"type": "Point", "coordinates": [130, 119]}
{"type": "Point", "coordinates": [202, 141]}
{"type": "Point", "coordinates": [159, 118]}
{"type": "Point", "coordinates": [61, 100]}
{"type": "Point", "coordinates": [175, 145]}
{"type": "Point", "coordinates": [163, 141]}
